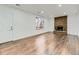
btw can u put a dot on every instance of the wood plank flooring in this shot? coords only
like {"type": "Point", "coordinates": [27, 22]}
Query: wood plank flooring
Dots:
{"type": "Point", "coordinates": [44, 44]}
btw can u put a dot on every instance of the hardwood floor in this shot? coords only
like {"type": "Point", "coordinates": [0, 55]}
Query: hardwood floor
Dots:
{"type": "Point", "coordinates": [45, 44]}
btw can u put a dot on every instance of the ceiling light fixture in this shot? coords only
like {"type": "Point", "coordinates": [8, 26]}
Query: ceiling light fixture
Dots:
{"type": "Point", "coordinates": [64, 13]}
{"type": "Point", "coordinates": [41, 12]}
{"type": "Point", "coordinates": [59, 5]}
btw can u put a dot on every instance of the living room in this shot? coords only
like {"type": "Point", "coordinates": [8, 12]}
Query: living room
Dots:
{"type": "Point", "coordinates": [37, 23]}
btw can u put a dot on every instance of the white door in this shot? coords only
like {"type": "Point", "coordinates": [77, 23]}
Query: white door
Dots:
{"type": "Point", "coordinates": [5, 26]}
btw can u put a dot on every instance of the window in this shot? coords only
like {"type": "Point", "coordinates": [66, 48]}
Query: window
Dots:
{"type": "Point", "coordinates": [39, 22]}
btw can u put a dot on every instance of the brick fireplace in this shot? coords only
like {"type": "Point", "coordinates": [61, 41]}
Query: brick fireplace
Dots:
{"type": "Point", "coordinates": [60, 24]}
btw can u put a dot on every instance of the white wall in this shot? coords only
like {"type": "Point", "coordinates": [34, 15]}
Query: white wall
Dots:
{"type": "Point", "coordinates": [5, 23]}
{"type": "Point", "coordinates": [78, 25]}
{"type": "Point", "coordinates": [23, 24]}
{"type": "Point", "coordinates": [73, 24]}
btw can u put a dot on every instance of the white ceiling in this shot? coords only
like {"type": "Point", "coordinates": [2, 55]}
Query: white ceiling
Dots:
{"type": "Point", "coordinates": [49, 9]}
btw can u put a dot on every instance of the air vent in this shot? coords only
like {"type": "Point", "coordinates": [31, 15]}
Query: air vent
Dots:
{"type": "Point", "coordinates": [18, 5]}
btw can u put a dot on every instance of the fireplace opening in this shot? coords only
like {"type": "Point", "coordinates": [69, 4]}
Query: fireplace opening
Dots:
{"type": "Point", "coordinates": [59, 28]}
